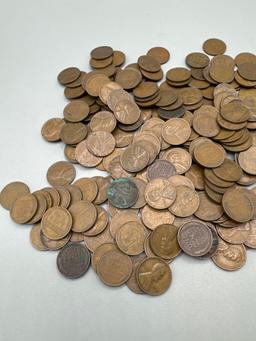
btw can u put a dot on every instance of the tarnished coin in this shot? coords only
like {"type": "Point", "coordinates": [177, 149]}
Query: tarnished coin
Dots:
{"type": "Point", "coordinates": [12, 192]}
{"type": "Point", "coordinates": [222, 69]}
{"type": "Point", "coordinates": [88, 187]}
{"type": "Point", "coordinates": [152, 217]}
{"type": "Point", "coordinates": [141, 185]}
{"type": "Point", "coordinates": [51, 129]}
{"type": "Point", "coordinates": [176, 131]}
{"type": "Point", "coordinates": [251, 238]}
{"type": "Point", "coordinates": [209, 154]}
{"type": "Point", "coordinates": [235, 235]}
{"type": "Point", "coordinates": [116, 96]}
{"type": "Point", "coordinates": [179, 158]}
{"type": "Point", "coordinates": [84, 215]}
{"type": "Point", "coordinates": [196, 175]}
{"type": "Point", "coordinates": [229, 171]}
{"type": "Point", "coordinates": [76, 111]}
{"type": "Point", "coordinates": [103, 121]}
{"type": "Point", "coordinates": [24, 208]}
{"type": "Point", "coordinates": [186, 202]}
{"type": "Point", "coordinates": [161, 169]}
{"type": "Point", "coordinates": [163, 241]}
{"type": "Point", "coordinates": [134, 158]}
{"type": "Point", "coordinates": [41, 207]}
{"type": "Point", "coordinates": [122, 193]}
{"type": "Point", "coordinates": [100, 251]}
{"type": "Point", "coordinates": [159, 193]}
{"type": "Point", "coordinates": [205, 121]}
{"type": "Point", "coordinates": [149, 63]}
{"type": "Point", "coordinates": [85, 157]}
{"type": "Point", "coordinates": [106, 89]}
{"type": "Point", "coordinates": [102, 52]}
{"type": "Point", "coordinates": [215, 243]}
{"type": "Point", "coordinates": [154, 276]}
{"type": "Point", "coordinates": [61, 173]}
{"type": "Point", "coordinates": [68, 75]}
{"type": "Point", "coordinates": [73, 260]}
{"type": "Point", "coordinates": [102, 184]}
{"type": "Point", "coordinates": [180, 180]}
{"type": "Point", "coordinates": [56, 223]}
{"type": "Point", "coordinates": [54, 194]}
{"type": "Point", "coordinates": [100, 143]}
{"type": "Point", "coordinates": [197, 60]}
{"type": "Point", "coordinates": [35, 238]}
{"type": "Point", "coordinates": [121, 217]}
{"type": "Point", "coordinates": [229, 257]}
{"type": "Point", "coordinates": [54, 245]}
{"type": "Point", "coordinates": [114, 268]}
{"type": "Point", "coordinates": [130, 238]}
{"type": "Point", "coordinates": [160, 54]}
{"type": "Point", "coordinates": [100, 224]}
{"type": "Point", "coordinates": [214, 46]}
{"type": "Point", "coordinates": [195, 238]}
{"type": "Point", "coordinates": [65, 196]}
{"type": "Point", "coordinates": [73, 133]}
{"type": "Point", "coordinates": [128, 78]}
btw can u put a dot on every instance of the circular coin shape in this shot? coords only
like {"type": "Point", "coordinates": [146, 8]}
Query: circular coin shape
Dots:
{"type": "Point", "coordinates": [100, 251]}
{"type": "Point", "coordinates": [160, 54]}
{"type": "Point", "coordinates": [114, 268]}
{"type": "Point", "coordinates": [61, 173]}
{"type": "Point", "coordinates": [197, 60]}
{"type": "Point", "coordinates": [126, 111]}
{"type": "Point", "coordinates": [134, 158]}
{"type": "Point", "coordinates": [35, 238]}
{"type": "Point", "coordinates": [84, 157]}
{"type": "Point", "coordinates": [235, 235]}
{"type": "Point", "coordinates": [247, 160]}
{"type": "Point", "coordinates": [100, 143]}
{"type": "Point", "coordinates": [160, 193]}
{"type": "Point", "coordinates": [122, 193]}
{"type": "Point", "coordinates": [208, 210]}
{"type": "Point", "coordinates": [102, 52]}
{"type": "Point", "coordinates": [56, 223]}
{"type": "Point", "coordinates": [154, 276]}
{"type": "Point", "coordinates": [176, 131]}
{"type": "Point", "coordinates": [149, 64]}
{"type": "Point", "coordinates": [132, 283]}
{"type": "Point", "coordinates": [51, 129]}
{"type": "Point", "coordinates": [84, 215]}
{"type": "Point", "coordinates": [214, 46]}
{"type": "Point", "coordinates": [161, 169]}
{"type": "Point", "coordinates": [229, 171]}
{"type": "Point", "coordinates": [186, 202]}
{"type": "Point", "coordinates": [195, 238]}
{"type": "Point", "coordinates": [130, 238]}
{"type": "Point", "coordinates": [73, 260]}
{"type": "Point", "coordinates": [209, 154]}
{"type": "Point", "coordinates": [12, 192]}
{"type": "Point", "coordinates": [151, 217]}
{"type": "Point", "coordinates": [76, 111]}
{"type": "Point", "coordinates": [103, 121]}
{"type": "Point", "coordinates": [128, 78]}
{"type": "Point", "coordinates": [24, 208]}
{"type": "Point", "coordinates": [68, 75]}
{"type": "Point", "coordinates": [179, 158]}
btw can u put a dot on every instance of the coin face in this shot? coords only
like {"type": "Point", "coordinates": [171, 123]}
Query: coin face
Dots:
{"type": "Point", "coordinates": [103, 121]}
{"type": "Point", "coordinates": [12, 192]}
{"type": "Point", "coordinates": [160, 54]}
{"type": "Point", "coordinates": [100, 224]}
{"type": "Point", "coordinates": [84, 215]}
{"type": "Point", "coordinates": [76, 111]}
{"type": "Point", "coordinates": [229, 257]}
{"type": "Point", "coordinates": [122, 193]}
{"type": "Point", "coordinates": [130, 238]}
{"type": "Point", "coordinates": [73, 260]}
{"type": "Point", "coordinates": [61, 173]}
{"type": "Point", "coordinates": [208, 210]}
{"type": "Point", "coordinates": [161, 169]}
{"type": "Point", "coordinates": [51, 129]}
{"type": "Point", "coordinates": [247, 160]}
{"type": "Point", "coordinates": [176, 131]}
{"type": "Point", "coordinates": [179, 158]}
{"type": "Point", "coordinates": [24, 208]}
{"type": "Point", "coordinates": [88, 187]}
{"type": "Point", "coordinates": [56, 223]}
{"type": "Point", "coordinates": [114, 268]}
{"type": "Point", "coordinates": [126, 111]}
{"type": "Point", "coordinates": [132, 283]}
{"type": "Point", "coordinates": [134, 158]}
{"type": "Point", "coordinates": [100, 251]}
{"type": "Point", "coordinates": [159, 193]}
{"type": "Point", "coordinates": [100, 143]}
{"type": "Point", "coordinates": [154, 276]}
{"type": "Point", "coordinates": [195, 238]}
{"type": "Point", "coordinates": [235, 235]}
{"type": "Point", "coordinates": [186, 202]}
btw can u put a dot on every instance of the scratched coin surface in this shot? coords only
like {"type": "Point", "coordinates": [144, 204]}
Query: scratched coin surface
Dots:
{"type": "Point", "coordinates": [154, 276]}
{"type": "Point", "coordinates": [61, 173]}
{"type": "Point", "coordinates": [152, 217]}
{"type": "Point", "coordinates": [195, 238]}
{"type": "Point", "coordinates": [100, 143]}
{"type": "Point", "coordinates": [179, 158]}
{"type": "Point", "coordinates": [51, 129]}
{"type": "Point", "coordinates": [73, 260]}
{"type": "Point", "coordinates": [56, 223]}
{"type": "Point", "coordinates": [122, 193]}
{"type": "Point", "coordinates": [235, 235]}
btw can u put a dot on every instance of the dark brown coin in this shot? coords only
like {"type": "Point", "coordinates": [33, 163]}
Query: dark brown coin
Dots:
{"type": "Point", "coordinates": [76, 111]}
{"type": "Point", "coordinates": [214, 46]}
{"type": "Point", "coordinates": [149, 64]}
{"type": "Point", "coordinates": [128, 78]}
{"type": "Point", "coordinates": [11, 192]}
{"type": "Point", "coordinates": [73, 260]}
{"type": "Point", "coordinates": [61, 173]}
{"type": "Point", "coordinates": [160, 54]}
{"type": "Point", "coordinates": [197, 60]}
{"type": "Point", "coordinates": [161, 169]}
{"type": "Point", "coordinates": [247, 71]}
{"type": "Point", "coordinates": [73, 133]}
{"type": "Point", "coordinates": [68, 75]}
{"type": "Point", "coordinates": [178, 74]}
{"type": "Point", "coordinates": [51, 129]}
{"type": "Point", "coordinates": [102, 52]}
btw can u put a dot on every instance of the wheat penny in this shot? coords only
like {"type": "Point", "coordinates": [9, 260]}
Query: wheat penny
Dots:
{"type": "Point", "coordinates": [12, 192]}
{"type": "Point", "coordinates": [56, 223]}
{"type": "Point", "coordinates": [130, 238]}
{"type": "Point", "coordinates": [61, 173]}
{"type": "Point", "coordinates": [159, 193]}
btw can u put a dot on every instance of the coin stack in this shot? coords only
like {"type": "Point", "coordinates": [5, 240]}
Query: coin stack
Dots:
{"type": "Point", "coordinates": [178, 158]}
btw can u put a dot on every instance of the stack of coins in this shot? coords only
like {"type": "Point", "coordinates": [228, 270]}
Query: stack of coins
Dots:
{"type": "Point", "coordinates": [179, 158]}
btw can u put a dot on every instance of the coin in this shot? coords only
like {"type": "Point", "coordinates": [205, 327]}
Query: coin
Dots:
{"type": "Point", "coordinates": [122, 193]}
{"type": "Point", "coordinates": [159, 193]}
{"type": "Point", "coordinates": [205, 121]}
{"type": "Point", "coordinates": [65, 196]}
{"type": "Point", "coordinates": [186, 202]}
{"type": "Point", "coordinates": [41, 207]}
{"type": "Point", "coordinates": [93, 242]}
{"type": "Point", "coordinates": [209, 154]}
{"type": "Point", "coordinates": [24, 208]}
{"type": "Point", "coordinates": [73, 133]}
{"type": "Point", "coordinates": [154, 276]}
{"type": "Point", "coordinates": [51, 129]}
{"type": "Point", "coordinates": [35, 238]}
{"type": "Point", "coordinates": [55, 196]}
{"type": "Point", "coordinates": [215, 243]}
{"type": "Point", "coordinates": [120, 218]}
{"type": "Point", "coordinates": [102, 52]}
{"type": "Point", "coordinates": [76, 111]}
{"type": "Point", "coordinates": [178, 74]}
{"type": "Point", "coordinates": [102, 184]}
{"type": "Point", "coordinates": [103, 121]}
{"type": "Point", "coordinates": [197, 60]}
{"type": "Point", "coordinates": [100, 143]}
{"type": "Point", "coordinates": [132, 283]}
{"type": "Point", "coordinates": [179, 158]}
{"type": "Point", "coordinates": [160, 54]}
{"type": "Point", "coordinates": [161, 169]}
{"type": "Point", "coordinates": [134, 158]}
{"type": "Point", "coordinates": [214, 46]}
{"type": "Point", "coordinates": [126, 111]}
{"type": "Point", "coordinates": [196, 175]}
{"type": "Point", "coordinates": [228, 171]}
{"type": "Point", "coordinates": [130, 238]}
{"type": "Point", "coordinates": [73, 260]}
{"type": "Point", "coordinates": [152, 217]}
{"type": "Point", "coordinates": [114, 268]}
{"type": "Point", "coordinates": [247, 160]}
{"type": "Point", "coordinates": [235, 235]}
{"type": "Point", "coordinates": [195, 238]}
{"type": "Point", "coordinates": [229, 257]}
{"type": "Point", "coordinates": [251, 238]}
{"type": "Point", "coordinates": [149, 63]}
{"type": "Point", "coordinates": [141, 185]}
{"type": "Point", "coordinates": [88, 187]}
{"type": "Point", "coordinates": [68, 75]}
{"type": "Point", "coordinates": [84, 215]}
{"type": "Point", "coordinates": [222, 68]}
{"type": "Point", "coordinates": [100, 251]}
{"type": "Point", "coordinates": [208, 210]}
{"type": "Point", "coordinates": [61, 173]}
{"type": "Point", "coordinates": [128, 78]}
{"type": "Point", "coordinates": [180, 180]}
{"type": "Point", "coordinates": [176, 131]}
{"type": "Point", "coordinates": [163, 241]}
{"type": "Point", "coordinates": [12, 192]}
{"type": "Point", "coordinates": [56, 223]}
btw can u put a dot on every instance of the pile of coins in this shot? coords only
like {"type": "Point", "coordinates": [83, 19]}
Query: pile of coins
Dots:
{"type": "Point", "coordinates": [179, 156]}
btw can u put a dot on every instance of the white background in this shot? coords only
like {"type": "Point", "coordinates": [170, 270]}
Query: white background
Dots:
{"type": "Point", "coordinates": [37, 40]}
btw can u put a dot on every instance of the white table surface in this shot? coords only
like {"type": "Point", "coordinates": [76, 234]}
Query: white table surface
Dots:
{"type": "Point", "coordinates": [38, 39]}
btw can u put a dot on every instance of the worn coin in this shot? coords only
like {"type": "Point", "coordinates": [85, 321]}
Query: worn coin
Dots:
{"type": "Point", "coordinates": [134, 158]}
{"type": "Point", "coordinates": [61, 173]}
{"type": "Point", "coordinates": [130, 238]}
{"type": "Point", "coordinates": [176, 131]}
{"type": "Point", "coordinates": [88, 188]}
{"type": "Point", "coordinates": [122, 193]}
{"type": "Point", "coordinates": [186, 202]}
{"type": "Point", "coordinates": [12, 192]}
{"type": "Point", "coordinates": [51, 129]}
{"type": "Point", "coordinates": [100, 251]}
{"type": "Point", "coordinates": [100, 143]}
{"type": "Point", "coordinates": [84, 215]}
{"type": "Point", "coordinates": [159, 193]}
{"type": "Point", "coordinates": [56, 223]}
{"type": "Point", "coordinates": [214, 46]}
{"type": "Point", "coordinates": [161, 169]}
{"type": "Point", "coordinates": [24, 208]}
{"type": "Point", "coordinates": [35, 238]}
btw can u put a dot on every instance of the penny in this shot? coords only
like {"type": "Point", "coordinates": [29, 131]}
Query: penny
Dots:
{"type": "Point", "coordinates": [35, 238]}
{"type": "Point", "coordinates": [159, 193]}
{"type": "Point", "coordinates": [178, 74]}
{"type": "Point", "coordinates": [235, 235]}
{"type": "Point", "coordinates": [126, 111]}
{"type": "Point", "coordinates": [76, 111]}
{"type": "Point", "coordinates": [102, 52]}
{"type": "Point", "coordinates": [64, 195]}
{"type": "Point", "coordinates": [76, 237]}
{"type": "Point", "coordinates": [73, 93]}
{"type": "Point", "coordinates": [121, 218]}
{"type": "Point", "coordinates": [148, 249]}
{"type": "Point", "coordinates": [237, 205]}
{"type": "Point", "coordinates": [228, 171]}
{"type": "Point", "coordinates": [118, 58]}
{"type": "Point", "coordinates": [152, 217]}
{"type": "Point", "coordinates": [160, 54]}
{"type": "Point", "coordinates": [247, 70]}
{"type": "Point", "coordinates": [141, 185]}
{"type": "Point", "coordinates": [41, 207]}
{"type": "Point", "coordinates": [251, 238]}
{"type": "Point", "coordinates": [73, 260]}
{"type": "Point", "coordinates": [154, 276]}
{"type": "Point", "coordinates": [235, 112]}
{"type": "Point", "coordinates": [134, 158]}
{"type": "Point", "coordinates": [179, 158]}
{"type": "Point", "coordinates": [93, 242]}
{"type": "Point", "coordinates": [122, 193]}
{"type": "Point", "coordinates": [161, 169]}
{"type": "Point", "coordinates": [176, 131]}
{"type": "Point", "coordinates": [167, 98]}
{"type": "Point", "coordinates": [84, 215]}
{"type": "Point", "coordinates": [114, 268]}
{"type": "Point", "coordinates": [196, 175]}
{"type": "Point", "coordinates": [103, 121]}
{"type": "Point", "coordinates": [130, 238]}
{"type": "Point", "coordinates": [215, 243]}
{"type": "Point", "coordinates": [73, 133]}
{"type": "Point", "coordinates": [197, 60]}
{"type": "Point", "coordinates": [132, 283]}
{"type": "Point", "coordinates": [54, 194]}
{"type": "Point", "coordinates": [145, 90]}
{"type": "Point", "coordinates": [180, 180]}
{"type": "Point", "coordinates": [128, 78]}
{"type": "Point", "coordinates": [214, 46]}
{"type": "Point", "coordinates": [116, 170]}
{"type": "Point", "coordinates": [106, 89]}
{"type": "Point", "coordinates": [56, 223]}
{"type": "Point", "coordinates": [247, 160]}
{"type": "Point", "coordinates": [208, 210]}
{"type": "Point", "coordinates": [100, 224]}
{"type": "Point", "coordinates": [69, 152]}
{"type": "Point", "coordinates": [51, 129]}
{"type": "Point", "coordinates": [163, 241]}
{"type": "Point", "coordinates": [222, 68]}
{"type": "Point", "coordinates": [149, 63]}
{"type": "Point", "coordinates": [88, 188]}
{"type": "Point", "coordinates": [205, 121]}
{"type": "Point", "coordinates": [116, 96]}
{"type": "Point", "coordinates": [186, 202]}
{"type": "Point", "coordinates": [209, 154]}
{"type": "Point", "coordinates": [54, 245]}
{"type": "Point", "coordinates": [84, 157]}
{"type": "Point", "coordinates": [100, 143]}
{"type": "Point", "coordinates": [229, 257]}
{"type": "Point", "coordinates": [12, 192]}
{"type": "Point", "coordinates": [195, 238]}
{"type": "Point", "coordinates": [68, 75]}
{"type": "Point", "coordinates": [190, 96]}
{"type": "Point", "coordinates": [61, 173]}
{"type": "Point", "coordinates": [100, 251]}
{"type": "Point", "coordinates": [102, 184]}
{"type": "Point", "coordinates": [101, 63]}
{"type": "Point", "coordinates": [24, 208]}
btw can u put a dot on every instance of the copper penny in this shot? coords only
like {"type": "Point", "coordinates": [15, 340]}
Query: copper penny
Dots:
{"type": "Point", "coordinates": [214, 46]}
{"type": "Point", "coordinates": [208, 210]}
{"type": "Point", "coordinates": [73, 133]}
{"type": "Point", "coordinates": [106, 89]}
{"type": "Point", "coordinates": [100, 224]}
{"type": "Point", "coordinates": [68, 75]}
{"type": "Point", "coordinates": [130, 238]}
{"type": "Point", "coordinates": [88, 188]}
{"type": "Point", "coordinates": [197, 60]}
{"type": "Point", "coordinates": [176, 131]}
{"type": "Point", "coordinates": [141, 185]}
{"type": "Point", "coordinates": [247, 160]}
{"type": "Point", "coordinates": [160, 54]}
{"type": "Point", "coordinates": [76, 111]}
{"type": "Point", "coordinates": [126, 111]}
{"type": "Point", "coordinates": [228, 171]}
{"type": "Point", "coordinates": [93, 242]}
{"type": "Point", "coordinates": [161, 169]}
{"type": "Point", "coordinates": [51, 129]}
{"type": "Point", "coordinates": [35, 238]}
{"type": "Point", "coordinates": [103, 121]}
{"type": "Point", "coordinates": [132, 283]}
{"type": "Point", "coordinates": [61, 173]}
{"type": "Point", "coordinates": [100, 251]}
{"type": "Point", "coordinates": [196, 175]}
{"type": "Point", "coordinates": [179, 158]}
{"type": "Point", "coordinates": [149, 63]}
{"type": "Point", "coordinates": [41, 207]}
{"type": "Point", "coordinates": [84, 215]}
{"type": "Point", "coordinates": [251, 238]}
{"type": "Point", "coordinates": [209, 154]}
{"type": "Point", "coordinates": [235, 235]}
{"type": "Point", "coordinates": [180, 180]}
{"type": "Point", "coordinates": [159, 193]}
{"type": "Point", "coordinates": [54, 245]}
{"type": "Point", "coordinates": [24, 208]}
{"type": "Point", "coordinates": [100, 143]}
{"type": "Point", "coordinates": [118, 58]}
{"type": "Point", "coordinates": [102, 52]}
{"type": "Point", "coordinates": [65, 196]}
{"type": "Point", "coordinates": [186, 202]}
{"type": "Point", "coordinates": [56, 223]}
{"type": "Point", "coordinates": [205, 121]}
{"type": "Point", "coordinates": [12, 192]}
{"type": "Point", "coordinates": [152, 217]}
{"type": "Point", "coordinates": [134, 158]}
{"type": "Point", "coordinates": [128, 78]}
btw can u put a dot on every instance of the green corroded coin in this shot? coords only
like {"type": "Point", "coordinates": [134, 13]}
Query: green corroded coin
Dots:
{"type": "Point", "coordinates": [122, 193]}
